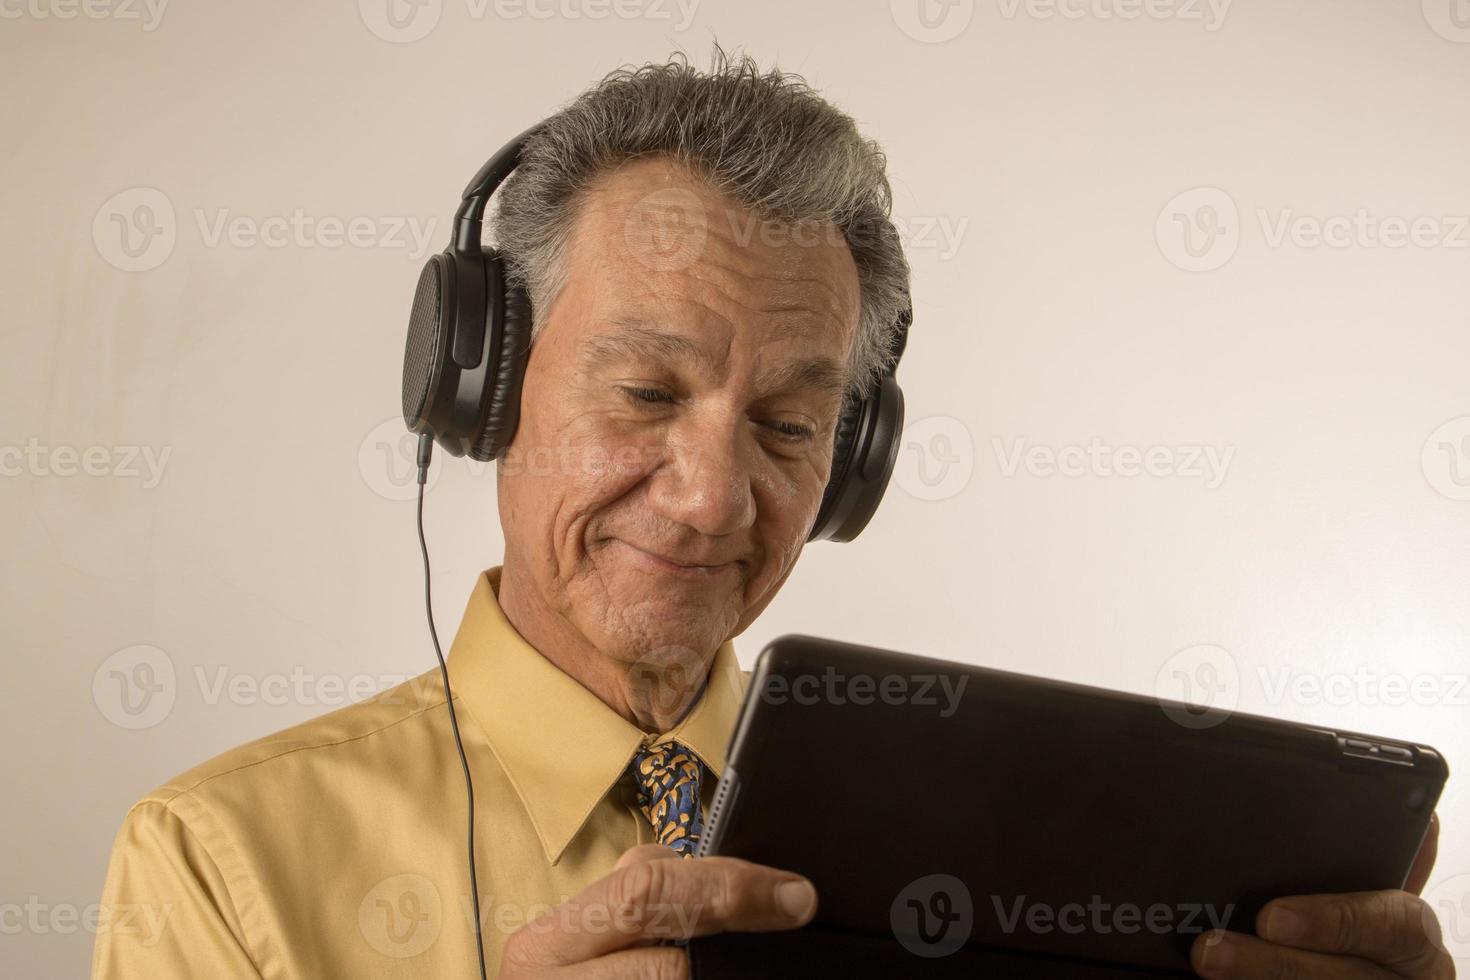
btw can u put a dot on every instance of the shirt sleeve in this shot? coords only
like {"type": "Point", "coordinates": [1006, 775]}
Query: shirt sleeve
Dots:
{"type": "Point", "coordinates": [166, 912]}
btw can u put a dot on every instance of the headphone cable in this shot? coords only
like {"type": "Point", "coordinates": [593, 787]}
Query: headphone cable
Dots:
{"type": "Point", "coordinates": [425, 452]}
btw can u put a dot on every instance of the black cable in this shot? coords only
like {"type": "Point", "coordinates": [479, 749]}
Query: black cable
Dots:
{"type": "Point", "coordinates": [426, 448]}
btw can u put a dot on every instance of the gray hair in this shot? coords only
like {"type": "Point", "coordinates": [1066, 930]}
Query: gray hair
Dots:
{"type": "Point", "coordinates": [768, 141]}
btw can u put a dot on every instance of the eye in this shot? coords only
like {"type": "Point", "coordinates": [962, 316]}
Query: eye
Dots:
{"type": "Point", "coordinates": [791, 432]}
{"type": "Point", "coordinates": [646, 396]}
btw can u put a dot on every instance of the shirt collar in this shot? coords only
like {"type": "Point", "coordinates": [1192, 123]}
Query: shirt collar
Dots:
{"type": "Point", "coordinates": [562, 748]}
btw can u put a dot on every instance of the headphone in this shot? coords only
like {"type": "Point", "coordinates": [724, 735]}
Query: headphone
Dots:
{"type": "Point", "coordinates": [469, 337]}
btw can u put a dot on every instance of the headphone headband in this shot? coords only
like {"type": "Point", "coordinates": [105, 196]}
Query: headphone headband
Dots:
{"type": "Point", "coordinates": [468, 219]}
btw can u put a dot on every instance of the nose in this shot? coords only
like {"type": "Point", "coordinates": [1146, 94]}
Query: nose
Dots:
{"type": "Point", "coordinates": [705, 480]}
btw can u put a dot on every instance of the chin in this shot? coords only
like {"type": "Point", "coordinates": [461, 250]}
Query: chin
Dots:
{"type": "Point", "coordinates": [663, 638]}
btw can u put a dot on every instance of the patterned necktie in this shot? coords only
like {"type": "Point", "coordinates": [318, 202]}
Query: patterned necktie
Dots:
{"type": "Point", "coordinates": [667, 777]}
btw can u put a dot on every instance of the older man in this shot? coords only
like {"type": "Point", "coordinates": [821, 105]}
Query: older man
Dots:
{"type": "Point", "coordinates": [675, 438]}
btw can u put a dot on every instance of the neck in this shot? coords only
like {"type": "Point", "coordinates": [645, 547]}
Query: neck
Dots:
{"type": "Point", "coordinates": [653, 697]}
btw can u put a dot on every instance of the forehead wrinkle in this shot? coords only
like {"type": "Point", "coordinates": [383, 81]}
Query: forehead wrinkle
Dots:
{"type": "Point", "coordinates": [786, 326]}
{"type": "Point", "coordinates": [786, 262]}
{"type": "Point", "coordinates": [790, 278]}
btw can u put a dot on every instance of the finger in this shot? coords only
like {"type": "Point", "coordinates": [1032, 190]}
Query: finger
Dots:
{"type": "Point", "coordinates": [646, 852]}
{"type": "Point", "coordinates": [648, 899]}
{"type": "Point", "coordinates": [1391, 928]}
{"type": "Point", "coordinates": [1424, 860]}
{"type": "Point", "coordinates": [648, 963]}
{"type": "Point", "coordinates": [1218, 955]}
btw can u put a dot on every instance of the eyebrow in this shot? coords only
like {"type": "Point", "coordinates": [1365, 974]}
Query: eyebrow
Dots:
{"type": "Point", "coordinates": [637, 340]}
{"type": "Point", "coordinates": [640, 340]}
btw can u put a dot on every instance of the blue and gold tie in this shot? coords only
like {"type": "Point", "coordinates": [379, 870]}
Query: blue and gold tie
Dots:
{"type": "Point", "coordinates": [667, 777]}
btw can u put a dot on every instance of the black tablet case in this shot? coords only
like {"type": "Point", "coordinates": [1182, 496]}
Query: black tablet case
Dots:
{"type": "Point", "coordinates": [1043, 793]}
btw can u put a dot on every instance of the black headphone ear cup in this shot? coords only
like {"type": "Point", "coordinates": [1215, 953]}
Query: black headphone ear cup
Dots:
{"type": "Point", "coordinates": [865, 447]}
{"type": "Point", "coordinates": [842, 440]}
{"type": "Point", "coordinates": [864, 450]}
{"type": "Point", "coordinates": [430, 324]}
{"type": "Point", "coordinates": [509, 316]}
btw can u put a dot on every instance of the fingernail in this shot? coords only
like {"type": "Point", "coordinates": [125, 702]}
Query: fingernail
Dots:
{"type": "Point", "coordinates": [1282, 925]}
{"type": "Point", "coordinates": [796, 898]}
{"type": "Point", "coordinates": [1217, 956]}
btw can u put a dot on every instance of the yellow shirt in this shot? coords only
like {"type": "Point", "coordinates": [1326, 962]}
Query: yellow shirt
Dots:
{"type": "Point", "coordinates": [337, 848]}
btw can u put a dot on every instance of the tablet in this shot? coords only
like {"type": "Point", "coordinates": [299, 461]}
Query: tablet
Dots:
{"type": "Point", "coordinates": [957, 820]}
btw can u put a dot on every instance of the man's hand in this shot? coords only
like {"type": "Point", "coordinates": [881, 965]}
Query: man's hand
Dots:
{"type": "Point", "coordinates": [611, 929]}
{"type": "Point", "coordinates": [1359, 936]}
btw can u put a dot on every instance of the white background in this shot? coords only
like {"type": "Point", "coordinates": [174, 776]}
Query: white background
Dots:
{"type": "Point", "coordinates": [1051, 144]}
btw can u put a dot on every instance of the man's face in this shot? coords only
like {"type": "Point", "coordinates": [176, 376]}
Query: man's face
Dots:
{"type": "Point", "coordinates": [677, 416]}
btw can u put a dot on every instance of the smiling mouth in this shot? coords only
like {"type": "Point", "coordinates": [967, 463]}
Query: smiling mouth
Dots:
{"type": "Point", "coordinates": [658, 562]}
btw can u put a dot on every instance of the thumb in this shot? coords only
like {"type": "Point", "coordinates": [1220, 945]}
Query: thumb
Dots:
{"type": "Point", "coordinates": [1424, 860]}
